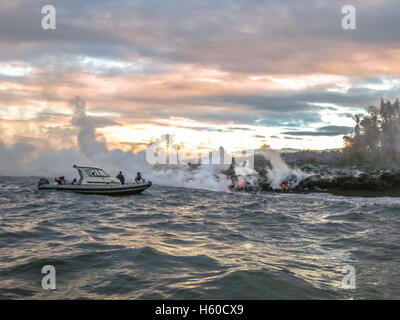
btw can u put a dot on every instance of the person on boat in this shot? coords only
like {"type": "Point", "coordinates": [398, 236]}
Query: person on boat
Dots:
{"type": "Point", "coordinates": [121, 177]}
{"type": "Point", "coordinates": [60, 180]}
{"type": "Point", "coordinates": [74, 182]}
{"type": "Point", "coordinates": [283, 186]}
{"type": "Point", "coordinates": [139, 178]}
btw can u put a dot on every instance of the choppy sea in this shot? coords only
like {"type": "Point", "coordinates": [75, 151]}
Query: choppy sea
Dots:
{"type": "Point", "coordinates": [177, 243]}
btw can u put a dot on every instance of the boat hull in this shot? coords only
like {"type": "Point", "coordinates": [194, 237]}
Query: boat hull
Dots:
{"type": "Point", "coordinates": [118, 190]}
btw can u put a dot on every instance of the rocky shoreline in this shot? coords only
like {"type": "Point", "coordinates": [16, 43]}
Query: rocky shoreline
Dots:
{"type": "Point", "coordinates": [358, 178]}
{"type": "Point", "coordinates": [351, 180]}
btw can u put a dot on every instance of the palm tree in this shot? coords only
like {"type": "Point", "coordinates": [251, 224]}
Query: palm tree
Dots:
{"type": "Point", "coordinates": [376, 135]}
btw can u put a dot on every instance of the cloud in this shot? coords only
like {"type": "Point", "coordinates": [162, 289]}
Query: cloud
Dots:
{"type": "Point", "coordinates": [238, 63]}
{"type": "Point", "coordinates": [89, 142]}
{"type": "Point", "coordinates": [322, 131]}
{"type": "Point", "coordinates": [229, 35]}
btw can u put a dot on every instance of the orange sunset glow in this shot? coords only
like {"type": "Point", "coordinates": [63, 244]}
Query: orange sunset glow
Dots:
{"type": "Point", "coordinates": [270, 73]}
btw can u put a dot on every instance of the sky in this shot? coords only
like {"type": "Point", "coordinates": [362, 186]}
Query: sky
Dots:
{"type": "Point", "coordinates": [237, 74]}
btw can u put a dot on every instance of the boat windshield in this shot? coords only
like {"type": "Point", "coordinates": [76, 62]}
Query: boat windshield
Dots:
{"type": "Point", "coordinates": [96, 173]}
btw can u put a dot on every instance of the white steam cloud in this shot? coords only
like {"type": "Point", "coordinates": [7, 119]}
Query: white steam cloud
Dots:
{"type": "Point", "coordinates": [280, 171]}
{"type": "Point", "coordinates": [27, 159]}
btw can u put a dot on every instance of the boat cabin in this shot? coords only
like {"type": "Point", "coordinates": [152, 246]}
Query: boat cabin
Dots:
{"type": "Point", "coordinates": [93, 175]}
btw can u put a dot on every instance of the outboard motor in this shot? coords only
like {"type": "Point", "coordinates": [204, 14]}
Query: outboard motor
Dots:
{"type": "Point", "coordinates": [43, 181]}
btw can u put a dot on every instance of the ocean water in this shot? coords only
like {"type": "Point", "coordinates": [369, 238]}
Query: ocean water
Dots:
{"type": "Point", "coordinates": [177, 243]}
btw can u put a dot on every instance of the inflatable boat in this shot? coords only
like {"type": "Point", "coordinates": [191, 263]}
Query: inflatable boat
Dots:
{"type": "Point", "coordinates": [96, 181]}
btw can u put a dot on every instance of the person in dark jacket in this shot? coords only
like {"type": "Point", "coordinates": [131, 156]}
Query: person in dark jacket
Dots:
{"type": "Point", "coordinates": [139, 178]}
{"type": "Point", "coordinates": [121, 177]}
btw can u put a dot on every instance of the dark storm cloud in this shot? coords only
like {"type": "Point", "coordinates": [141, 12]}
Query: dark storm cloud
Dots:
{"type": "Point", "coordinates": [238, 38]}
{"type": "Point", "coordinates": [231, 35]}
{"type": "Point", "coordinates": [240, 128]}
{"type": "Point", "coordinates": [322, 131]}
{"type": "Point", "coordinates": [274, 108]}
{"type": "Point", "coordinates": [207, 129]}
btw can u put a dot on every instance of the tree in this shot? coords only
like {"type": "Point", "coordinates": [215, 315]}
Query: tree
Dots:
{"type": "Point", "coordinates": [376, 135]}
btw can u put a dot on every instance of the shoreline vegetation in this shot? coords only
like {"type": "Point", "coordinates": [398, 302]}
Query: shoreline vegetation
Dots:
{"type": "Point", "coordinates": [368, 164]}
{"type": "Point", "coordinates": [375, 140]}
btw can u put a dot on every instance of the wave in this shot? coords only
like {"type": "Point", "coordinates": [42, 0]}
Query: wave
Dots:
{"type": "Point", "coordinates": [259, 284]}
